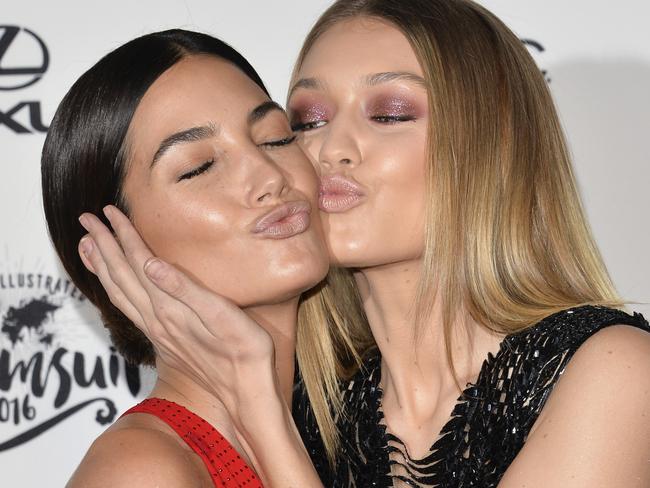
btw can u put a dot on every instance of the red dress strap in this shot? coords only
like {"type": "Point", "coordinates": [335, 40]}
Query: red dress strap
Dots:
{"type": "Point", "coordinates": [226, 467]}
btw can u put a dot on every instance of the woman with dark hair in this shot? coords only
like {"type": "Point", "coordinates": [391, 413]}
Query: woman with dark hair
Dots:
{"type": "Point", "coordinates": [453, 217]}
{"type": "Point", "coordinates": [177, 130]}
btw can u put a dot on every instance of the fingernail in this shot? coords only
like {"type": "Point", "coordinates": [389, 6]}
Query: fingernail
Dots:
{"type": "Point", "coordinates": [86, 245]}
{"type": "Point", "coordinates": [108, 211]}
{"type": "Point", "coordinates": [154, 268]}
{"type": "Point", "coordinates": [83, 220]}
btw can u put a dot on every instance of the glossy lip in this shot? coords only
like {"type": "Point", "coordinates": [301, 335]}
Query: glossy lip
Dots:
{"type": "Point", "coordinates": [285, 220]}
{"type": "Point", "coordinates": [339, 194]}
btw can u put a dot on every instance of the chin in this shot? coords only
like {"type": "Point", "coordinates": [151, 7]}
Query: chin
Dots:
{"type": "Point", "coordinates": [302, 263]}
{"type": "Point", "coordinates": [300, 277]}
{"type": "Point", "coordinates": [372, 255]}
{"type": "Point", "coordinates": [285, 280]}
{"type": "Point", "coordinates": [286, 289]}
{"type": "Point", "coordinates": [349, 253]}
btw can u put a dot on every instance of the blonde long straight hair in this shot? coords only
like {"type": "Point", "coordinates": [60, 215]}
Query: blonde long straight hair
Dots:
{"type": "Point", "coordinates": [507, 241]}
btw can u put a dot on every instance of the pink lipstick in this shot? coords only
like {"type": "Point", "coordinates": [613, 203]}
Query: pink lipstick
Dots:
{"type": "Point", "coordinates": [339, 194]}
{"type": "Point", "coordinates": [286, 220]}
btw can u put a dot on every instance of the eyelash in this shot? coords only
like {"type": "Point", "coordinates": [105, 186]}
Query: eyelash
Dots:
{"type": "Point", "coordinates": [307, 126]}
{"type": "Point", "coordinates": [392, 119]}
{"type": "Point", "coordinates": [196, 171]}
{"type": "Point", "coordinates": [280, 142]}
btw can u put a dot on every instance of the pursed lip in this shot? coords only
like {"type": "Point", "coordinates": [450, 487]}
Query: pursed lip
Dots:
{"type": "Point", "coordinates": [339, 193]}
{"type": "Point", "coordinates": [285, 220]}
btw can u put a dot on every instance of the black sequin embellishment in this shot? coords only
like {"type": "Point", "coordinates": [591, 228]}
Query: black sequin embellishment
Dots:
{"type": "Point", "coordinates": [487, 427]}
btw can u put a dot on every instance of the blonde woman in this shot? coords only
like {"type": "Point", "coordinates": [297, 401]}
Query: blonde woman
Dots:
{"type": "Point", "coordinates": [449, 196]}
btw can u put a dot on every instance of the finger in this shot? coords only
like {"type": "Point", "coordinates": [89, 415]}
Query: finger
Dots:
{"type": "Point", "coordinates": [114, 266]}
{"type": "Point", "coordinates": [134, 248]}
{"type": "Point", "coordinates": [177, 300]}
{"type": "Point", "coordinates": [221, 317]}
{"type": "Point", "coordinates": [173, 315]}
{"type": "Point", "coordinates": [93, 261]}
{"type": "Point", "coordinates": [180, 286]}
{"type": "Point", "coordinates": [84, 249]}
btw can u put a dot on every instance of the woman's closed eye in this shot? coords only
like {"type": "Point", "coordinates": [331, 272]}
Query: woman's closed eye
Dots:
{"type": "Point", "coordinates": [387, 109]}
{"type": "Point", "coordinates": [307, 126]}
{"type": "Point", "coordinates": [202, 168]}
{"type": "Point", "coordinates": [285, 141]}
{"type": "Point", "coordinates": [392, 119]}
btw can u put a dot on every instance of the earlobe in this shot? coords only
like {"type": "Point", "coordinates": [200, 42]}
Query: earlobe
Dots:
{"type": "Point", "coordinates": [85, 249]}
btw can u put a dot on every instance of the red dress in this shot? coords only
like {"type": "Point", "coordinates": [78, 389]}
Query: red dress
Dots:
{"type": "Point", "coordinates": [226, 467]}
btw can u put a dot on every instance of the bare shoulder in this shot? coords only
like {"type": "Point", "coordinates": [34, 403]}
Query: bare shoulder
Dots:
{"type": "Point", "coordinates": [615, 359]}
{"type": "Point", "coordinates": [594, 429]}
{"type": "Point", "coordinates": [617, 339]}
{"type": "Point", "coordinates": [138, 456]}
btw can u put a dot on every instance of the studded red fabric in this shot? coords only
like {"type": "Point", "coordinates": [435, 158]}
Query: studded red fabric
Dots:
{"type": "Point", "coordinates": [226, 467]}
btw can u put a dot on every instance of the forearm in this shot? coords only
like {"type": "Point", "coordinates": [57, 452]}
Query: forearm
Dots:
{"type": "Point", "coordinates": [270, 437]}
{"type": "Point", "coordinates": [280, 457]}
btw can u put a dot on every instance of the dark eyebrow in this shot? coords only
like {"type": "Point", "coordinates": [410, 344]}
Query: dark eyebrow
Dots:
{"type": "Point", "coordinates": [388, 76]}
{"type": "Point", "coordinates": [308, 83]}
{"type": "Point", "coordinates": [259, 112]}
{"type": "Point", "coordinates": [188, 135]}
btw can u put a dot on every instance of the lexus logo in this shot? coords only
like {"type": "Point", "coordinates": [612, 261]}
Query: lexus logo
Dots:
{"type": "Point", "coordinates": [24, 59]}
{"type": "Point", "coordinates": [17, 73]}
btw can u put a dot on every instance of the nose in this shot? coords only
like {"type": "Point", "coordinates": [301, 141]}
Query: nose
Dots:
{"type": "Point", "coordinates": [339, 148]}
{"type": "Point", "coordinates": [267, 181]}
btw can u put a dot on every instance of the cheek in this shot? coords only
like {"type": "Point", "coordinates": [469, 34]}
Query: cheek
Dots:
{"type": "Point", "coordinates": [207, 246]}
{"type": "Point", "coordinates": [207, 238]}
{"type": "Point", "coordinates": [389, 227]}
{"type": "Point", "coordinates": [400, 166]}
{"type": "Point", "coordinates": [311, 144]}
{"type": "Point", "coordinates": [302, 174]}
{"type": "Point", "coordinates": [189, 233]}
{"type": "Point", "coordinates": [172, 221]}
{"type": "Point", "coordinates": [399, 193]}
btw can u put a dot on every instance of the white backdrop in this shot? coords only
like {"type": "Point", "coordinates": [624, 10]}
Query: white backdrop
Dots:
{"type": "Point", "coordinates": [60, 384]}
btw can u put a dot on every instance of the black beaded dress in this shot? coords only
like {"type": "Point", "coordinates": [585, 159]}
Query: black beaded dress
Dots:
{"type": "Point", "coordinates": [487, 427]}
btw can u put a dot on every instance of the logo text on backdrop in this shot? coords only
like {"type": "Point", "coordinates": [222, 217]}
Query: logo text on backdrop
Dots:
{"type": "Point", "coordinates": [42, 380]}
{"type": "Point", "coordinates": [24, 59]}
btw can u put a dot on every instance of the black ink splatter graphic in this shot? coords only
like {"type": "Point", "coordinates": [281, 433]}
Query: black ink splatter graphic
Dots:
{"type": "Point", "coordinates": [46, 370]}
{"type": "Point", "coordinates": [27, 317]}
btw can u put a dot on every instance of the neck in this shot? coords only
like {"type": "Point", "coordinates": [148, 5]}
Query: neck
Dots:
{"type": "Point", "coordinates": [415, 369]}
{"type": "Point", "coordinates": [280, 321]}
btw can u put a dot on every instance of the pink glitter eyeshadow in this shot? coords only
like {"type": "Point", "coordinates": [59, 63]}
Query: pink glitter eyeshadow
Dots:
{"type": "Point", "coordinates": [393, 106]}
{"type": "Point", "coordinates": [310, 113]}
